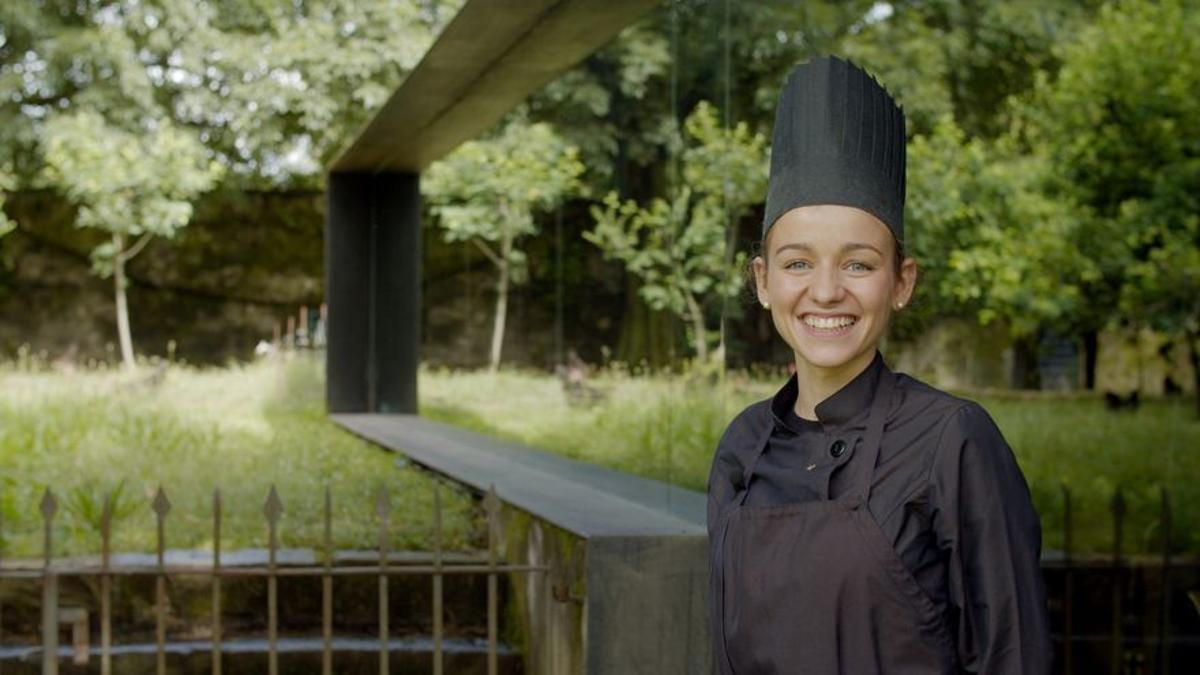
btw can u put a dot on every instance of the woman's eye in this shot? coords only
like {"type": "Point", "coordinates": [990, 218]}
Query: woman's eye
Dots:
{"type": "Point", "coordinates": [859, 267]}
{"type": "Point", "coordinates": [795, 265]}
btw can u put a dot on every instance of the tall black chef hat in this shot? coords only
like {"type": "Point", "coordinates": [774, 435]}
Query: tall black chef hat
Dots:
{"type": "Point", "coordinates": [839, 139]}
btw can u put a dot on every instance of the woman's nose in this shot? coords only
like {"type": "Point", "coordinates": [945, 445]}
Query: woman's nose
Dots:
{"type": "Point", "coordinates": [826, 285]}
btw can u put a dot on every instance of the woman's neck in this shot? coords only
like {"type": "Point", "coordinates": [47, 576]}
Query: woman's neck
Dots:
{"type": "Point", "coordinates": [817, 383]}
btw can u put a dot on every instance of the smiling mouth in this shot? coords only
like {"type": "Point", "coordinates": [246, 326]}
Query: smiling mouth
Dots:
{"type": "Point", "coordinates": [831, 324]}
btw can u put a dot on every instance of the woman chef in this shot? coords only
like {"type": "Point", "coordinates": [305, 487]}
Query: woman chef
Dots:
{"type": "Point", "coordinates": [861, 521]}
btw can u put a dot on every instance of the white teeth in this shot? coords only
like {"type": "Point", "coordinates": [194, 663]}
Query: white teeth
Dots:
{"type": "Point", "coordinates": [829, 322]}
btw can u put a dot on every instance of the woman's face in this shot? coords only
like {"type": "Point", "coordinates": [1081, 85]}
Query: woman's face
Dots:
{"type": "Point", "coordinates": [829, 275]}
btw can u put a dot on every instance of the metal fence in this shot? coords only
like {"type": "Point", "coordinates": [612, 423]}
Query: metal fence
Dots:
{"type": "Point", "coordinates": [1140, 635]}
{"type": "Point", "coordinates": [273, 508]}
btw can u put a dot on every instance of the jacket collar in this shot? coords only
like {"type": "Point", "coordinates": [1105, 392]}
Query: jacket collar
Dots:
{"type": "Point", "coordinates": [844, 405]}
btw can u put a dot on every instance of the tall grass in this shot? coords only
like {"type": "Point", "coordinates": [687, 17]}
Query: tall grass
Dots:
{"type": "Point", "coordinates": [667, 427]}
{"type": "Point", "coordinates": [240, 429]}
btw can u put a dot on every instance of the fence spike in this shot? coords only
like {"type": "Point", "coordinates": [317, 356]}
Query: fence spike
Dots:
{"type": "Point", "coordinates": [106, 517]}
{"type": "Point", "coordinates": [161, 505]}
{"type": "Point", "coordinates": [273, 507]}
{"type": "Point", "coordinates": [49, 505]}
{"type": "Point", "coordinates": [383, 503]}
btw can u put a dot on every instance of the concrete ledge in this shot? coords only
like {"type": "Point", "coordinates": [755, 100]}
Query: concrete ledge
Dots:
{"type": "Point", "coordinates": [628, 588]}
{"type": "Point", "coordinates": [584, 499]}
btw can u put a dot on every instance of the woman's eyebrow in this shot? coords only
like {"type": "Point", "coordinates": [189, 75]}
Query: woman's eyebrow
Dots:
{"type": "Point", "coordinates": [846, 248]}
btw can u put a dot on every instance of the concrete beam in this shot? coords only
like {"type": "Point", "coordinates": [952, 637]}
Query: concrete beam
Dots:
{"type": "Point", "coordinates": [489, 58]}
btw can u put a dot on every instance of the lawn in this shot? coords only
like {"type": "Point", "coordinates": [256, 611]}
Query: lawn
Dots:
{"type": "Point", "coordinates": [239, 428]}
{"type": "Point", "coordinates": [666, 427]}
{"type": "Point", "coordinates": [245, 427]}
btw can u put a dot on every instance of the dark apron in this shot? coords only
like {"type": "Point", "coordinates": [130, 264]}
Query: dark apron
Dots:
{"type": "Point", "coordinates": [816, 587]}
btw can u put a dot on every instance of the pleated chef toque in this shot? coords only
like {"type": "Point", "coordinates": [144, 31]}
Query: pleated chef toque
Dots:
{"type": "Point", "coordinates": [839, 139]}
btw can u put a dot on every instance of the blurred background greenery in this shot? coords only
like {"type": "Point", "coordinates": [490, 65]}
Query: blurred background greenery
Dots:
{"type": "Point", "coordinates": [161, 188]}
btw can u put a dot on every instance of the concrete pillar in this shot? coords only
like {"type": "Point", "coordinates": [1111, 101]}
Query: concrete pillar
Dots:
{"type": "Point", "coordinates": [373, 289]}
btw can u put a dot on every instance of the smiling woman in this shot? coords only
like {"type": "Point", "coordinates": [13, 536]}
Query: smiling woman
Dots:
{"type": "Point", "coordinates": [831, 287]}
{"type": "Point", "coordinates": [861, 521]}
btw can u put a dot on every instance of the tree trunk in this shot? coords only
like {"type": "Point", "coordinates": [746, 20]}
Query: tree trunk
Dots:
{"type": "Point", "coordinates": [501, 305]}
{"type": "Point", "coordinates": [1025, 373]}
{"type": "Point", "coordinates": [646, 335]}
{"type": "Point", "coordinates": [1194, 352]}
{"type": "Point", "coordinates": [123, 333]}
{"type": "Point", "coordinates": [699, 333]}
{"type": "Point", "coordinates": [1091, 348]}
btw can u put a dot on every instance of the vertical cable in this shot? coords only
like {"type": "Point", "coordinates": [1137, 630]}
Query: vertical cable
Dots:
{"type": "Point", "coordinates": [558, 286]}
{"type": "Point", "coordinates": [730, 226]}
{"type": "Point", "coordinates": [674, 148]}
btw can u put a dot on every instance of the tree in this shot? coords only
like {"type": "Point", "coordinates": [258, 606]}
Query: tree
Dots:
{"type": "Point", "coordinates": [1119, 124]}
{"type": "Point", "coordinates": [488, 191]}
{"type": "Point", "coordinates": [995, 240]}
{"type": "Point", "coordinates": [133, 186]}
{"type": "Point", "coordinates": [128, 107]}
{"type": "Point", "coordinates": [678, 248]}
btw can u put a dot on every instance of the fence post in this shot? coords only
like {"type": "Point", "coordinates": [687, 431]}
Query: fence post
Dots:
{"type": "Point", "coordinates": [1068, 584]}
{"type": "Point", "coordinates": [272, 509]}
{"type": "Point", "coordinates": [437, 578]}
{"type": "Point", "coordinates": [491, 504]}
{"type": "Point", "coordinates": [49, 588]}
{"type": "Point", "coordinates": [106, 585]}
{"type": "Point", "coordinates": [1118, 513]}
{"type": "Point", "coordinates": [383, 509]}
{"type": "Point", "coordinates": [216, 583]}
{"type": "Point", "coordinates": [327, 590]}
{"type": "Point", "coordinates": [1164, 622]}
{"type": "Point", "coordinates": [162, 506]}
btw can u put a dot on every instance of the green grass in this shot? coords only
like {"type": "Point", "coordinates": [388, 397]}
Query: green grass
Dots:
{"type": "Point", "coordinates": [666, 427]}
{"type": "Point", "coordinates": [243, 428]}
{"type": "Point", "coordinates": [240, 428]}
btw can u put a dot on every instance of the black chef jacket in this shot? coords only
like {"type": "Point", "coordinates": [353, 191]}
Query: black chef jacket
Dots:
{"type": "Point", "coordinates": [947, 492]}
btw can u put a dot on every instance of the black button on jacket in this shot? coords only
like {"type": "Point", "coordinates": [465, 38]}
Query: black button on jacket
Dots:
{"type": "Point", "coordinates": [946, 491]}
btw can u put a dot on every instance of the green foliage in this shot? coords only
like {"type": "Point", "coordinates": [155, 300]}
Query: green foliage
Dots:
{"type": "Point", "coordinates": [85, 505]}
{"type": "Point", "coordinates": [127, 183]}
{"type": "Point", "coordinates": [1120, 124]}
{"type": "Point", "coordinates": [679, 248]}
{"type": "Point", "coordinates": [273, 88]}
{"type": "Point", "coordinates": [489, 190]}
{"type": "Point", "coordinates": [991, 237]}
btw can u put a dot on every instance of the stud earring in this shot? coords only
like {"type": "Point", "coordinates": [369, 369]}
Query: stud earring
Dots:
{"type": "Point", "coordinates": [766, 305]}
{"type": "Point", "coordinates": [899, 305]}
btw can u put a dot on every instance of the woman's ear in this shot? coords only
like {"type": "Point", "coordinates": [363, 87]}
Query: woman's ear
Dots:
{"type": "Point", "coordinates": [907, 282]}
{"type": "Point", "coordinates": [760, 280]}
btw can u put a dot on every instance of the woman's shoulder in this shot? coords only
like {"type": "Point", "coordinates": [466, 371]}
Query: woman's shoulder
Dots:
{"type": "Point", "coordinates": [747, 424]}
{"type": "Point", "coordinates": [956, 421]}
{"type": "Point", "coordinates": [935, 408]}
